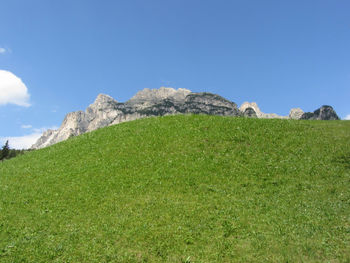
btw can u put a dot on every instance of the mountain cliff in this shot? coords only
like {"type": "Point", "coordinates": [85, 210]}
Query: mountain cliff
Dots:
{"type": "Point", "coordinates": [107, 111]}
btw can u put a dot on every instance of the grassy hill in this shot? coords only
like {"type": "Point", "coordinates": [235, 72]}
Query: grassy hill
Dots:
{"type": "Point", "coordinates": [182, 189]}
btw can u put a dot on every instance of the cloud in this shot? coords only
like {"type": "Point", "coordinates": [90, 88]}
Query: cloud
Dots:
{"type": "Point", "coordinates": [2, 50]}
{"type": "Point", "coordinates": [13, 90]}
{"type": "Point", "coordinates": [25, 141]}
{"type": "Point", "coordinates": [21, 142]}
{"type": "Point", "coordinates": [347, 117]}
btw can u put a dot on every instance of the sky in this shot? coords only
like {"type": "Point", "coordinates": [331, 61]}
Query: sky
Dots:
{"type": "Point", "coordinates": [57, 56]}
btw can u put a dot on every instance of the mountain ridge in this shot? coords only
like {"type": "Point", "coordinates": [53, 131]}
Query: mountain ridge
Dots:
{"type": "Point", "coordinates": [105, 111]}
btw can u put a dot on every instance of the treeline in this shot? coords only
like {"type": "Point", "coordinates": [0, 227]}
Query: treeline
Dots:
{"type": "Point", "coordinates": [7, 153]}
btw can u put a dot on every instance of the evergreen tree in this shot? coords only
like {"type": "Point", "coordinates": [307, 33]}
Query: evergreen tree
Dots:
{"type": "Point", "coordinates": [5, 151]}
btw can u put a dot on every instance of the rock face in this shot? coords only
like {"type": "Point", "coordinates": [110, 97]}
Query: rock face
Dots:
{"type": "Point", "coordinates": [249, 113]}
{"type": "Point", "coordinates": [208, 103]}
{"type": "Point", "coordinates": [107, 111]}
{"type": "Point", "coordinates": [156, 102]}
{"type": "Point", "coordinates": [295, 113]}
{"type": "Point", "coordinates": [324, 113]}
{"type": "Point", "coordinates": [253, 106]}
{"type": "Point", "coordinates": [148, 97]}
{"type": "Point", "coordinates": [258, 112]}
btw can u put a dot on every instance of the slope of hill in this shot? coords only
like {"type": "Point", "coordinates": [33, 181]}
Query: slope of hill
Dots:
{"type": "Point", "coordinates": [186, 188]}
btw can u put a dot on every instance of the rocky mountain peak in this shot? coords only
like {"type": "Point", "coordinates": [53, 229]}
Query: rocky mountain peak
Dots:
{"type": "Point", "coordinates": [156, 95]}
{"type": "Point", "coordinates": [323, 113]}
{"type": "Point", "coordinates": [251, 106]}
{"type": "Point", "coordinates": [159, 102]}
{"type": "Point", "coordinates": [296, 113]}
{"type": "Point", "coordinates": [254, 107]}
{"type": "Point", "coordinates": [103, 100]}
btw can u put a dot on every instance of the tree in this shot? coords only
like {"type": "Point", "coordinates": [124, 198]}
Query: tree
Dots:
{"type": "Point", "coordinates": [5, 151]}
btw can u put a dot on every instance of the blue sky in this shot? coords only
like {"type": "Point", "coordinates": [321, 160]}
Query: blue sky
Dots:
{"type": "Point", "coordinates": [62, 54]}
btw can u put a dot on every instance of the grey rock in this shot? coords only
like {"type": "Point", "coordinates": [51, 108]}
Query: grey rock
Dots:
{"type": "Point", "coordinates": [273, 116]}
{"type": "Point", "coordinates": [149, 97]}
{"type": "Point", "coordinates": [208, 103]}
{"type": "Point", "coordinates": [253, 106]}
{"type": "Point", "coordinates": [106, 111]}
{"type": "Point", "coordinates": [296, 113]}
{"type": "Point", "coordinates": [249, 113]}
{"type": "Point", "coordinates": [44, 140]}
{"type": "Point", "coordinates": [307, 116]}
{"type": "Point", "coordinates": [102, 112]}
{"type": "Point", "coordinates": [258, 112]}
{"type": "Point", "coordinates": [323, 113]}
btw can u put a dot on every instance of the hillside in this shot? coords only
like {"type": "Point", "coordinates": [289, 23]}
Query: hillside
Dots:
{"type": "Point", "coordinates": [185, 188]}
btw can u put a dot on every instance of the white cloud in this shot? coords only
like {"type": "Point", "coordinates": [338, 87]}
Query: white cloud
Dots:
{"type": "Point", "coordinates": [347, 117]}
{"type": "Point", "coordinates": [25, 126]}
{"type": "Point", "coordinates": [2, 50]}
{"type": "Point", "coordinates": [13, 90]}
{"type": "Point", "coordinates": [21, 142]}
{"type": "Point", "coordinates": [25, 141]}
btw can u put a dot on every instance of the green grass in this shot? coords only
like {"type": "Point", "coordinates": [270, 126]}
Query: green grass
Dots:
{"type": "Point", "coordinates": [182, 189]}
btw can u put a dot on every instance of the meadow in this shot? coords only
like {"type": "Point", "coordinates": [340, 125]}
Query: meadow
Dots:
{"type": "Point", "coordinates": [185, 188]}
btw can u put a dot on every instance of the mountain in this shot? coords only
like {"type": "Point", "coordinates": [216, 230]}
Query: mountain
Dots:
{"type": "Point", "coordinates": [107, 111]}
{"type": "Point", "coordinates": [324, 113]}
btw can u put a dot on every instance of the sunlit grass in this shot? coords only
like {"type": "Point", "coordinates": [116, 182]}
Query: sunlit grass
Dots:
{"type": "Point", "coordinates": [182, 189]}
